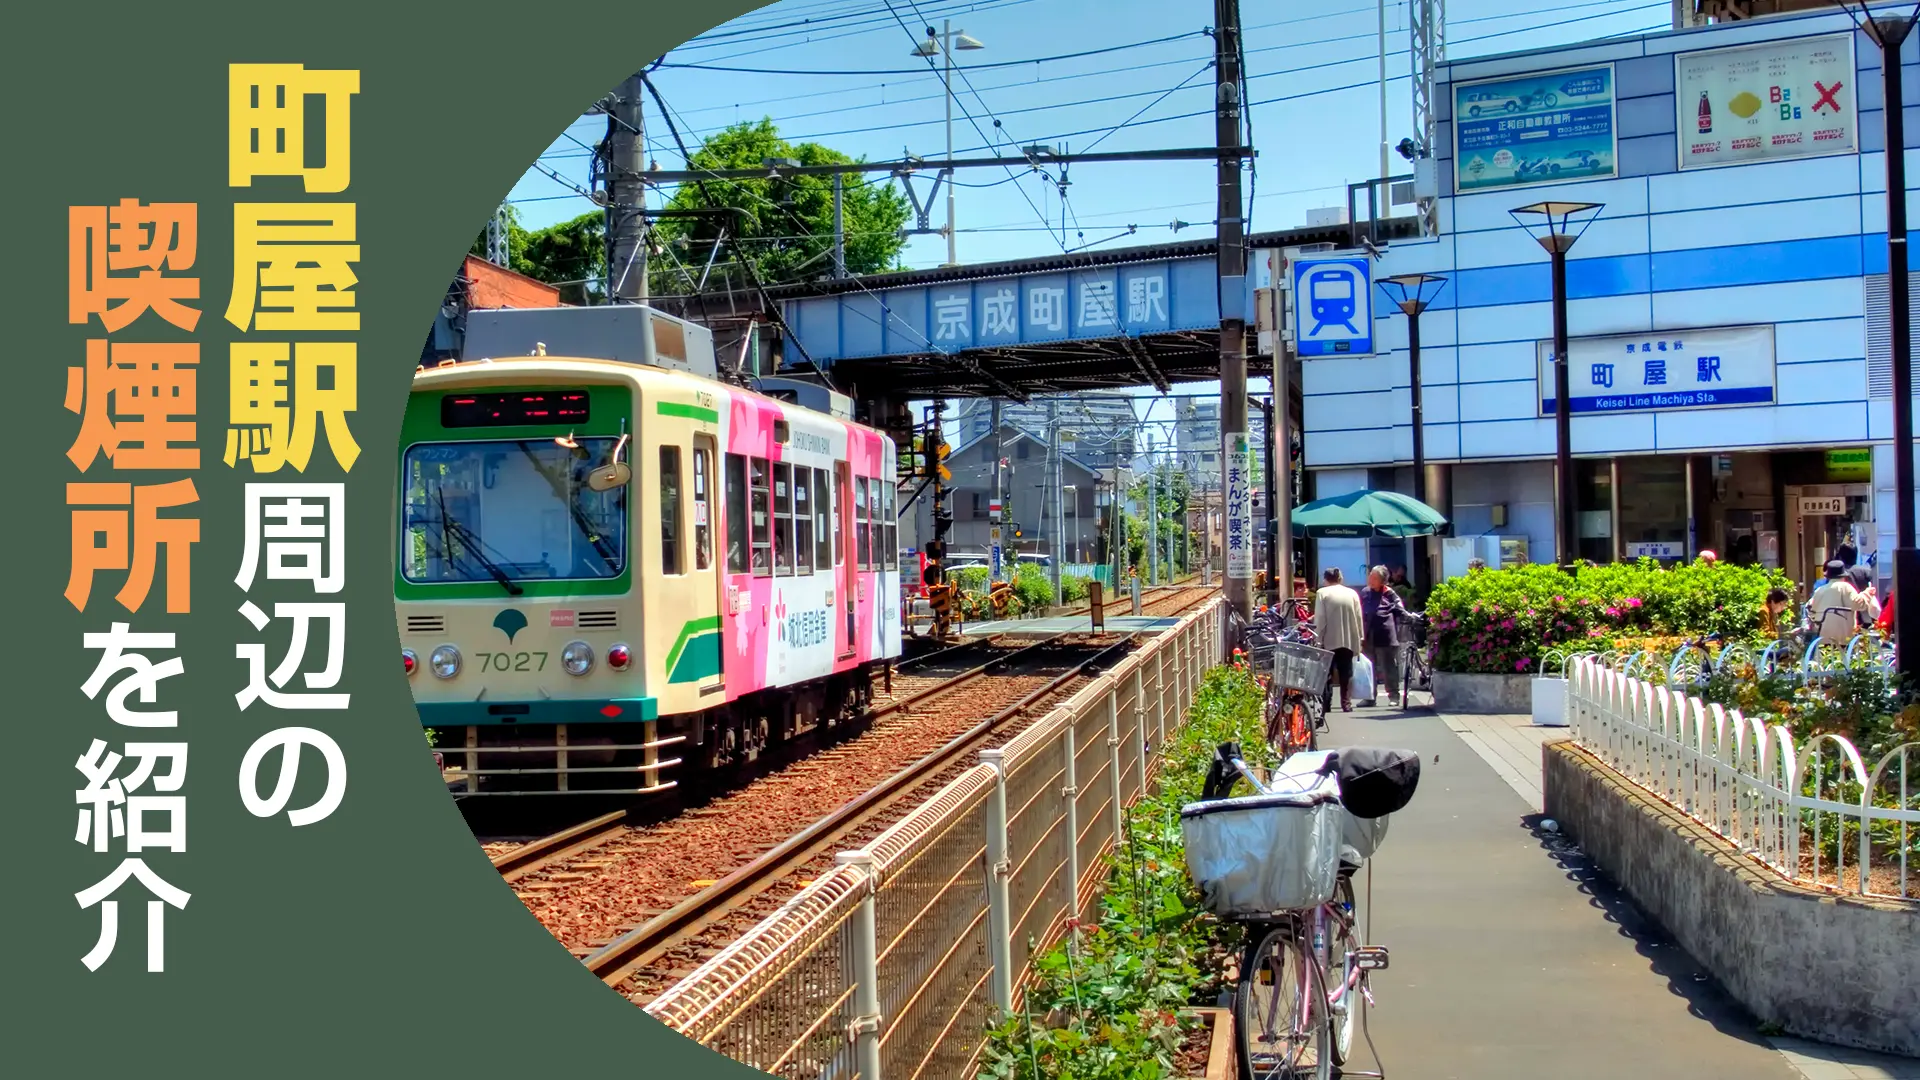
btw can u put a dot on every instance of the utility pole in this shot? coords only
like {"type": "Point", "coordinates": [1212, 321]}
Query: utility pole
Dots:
{"type": "Point", "coordinates": [996, 561]}
{"type": "Point", "coordinates": [1382, 44]}
{"type": "Point", "coordinates": [840, 236]}
{"type": "Point", "coordinates": [953, 257]}
{"type": "Point", "coordinates": [1153, 517]}
{"type": "Point", "coordinates": [1054, 480]}
{"type": "Point", "coordinates": [627, 193]}
{"type": "Point", "coordinates": [1233, 314]}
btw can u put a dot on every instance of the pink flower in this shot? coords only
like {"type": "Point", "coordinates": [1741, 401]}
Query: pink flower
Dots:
{"type": "Point", "coordinates": [1633, 602]}
{"type": "Point", "coordinates": [1506, 624]}
{"type": "Point", "coordinates": [1521, 664]}
{"type": "Point", "coordinates": [1614, 611]}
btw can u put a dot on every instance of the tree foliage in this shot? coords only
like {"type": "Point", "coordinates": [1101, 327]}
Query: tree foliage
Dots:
{"type": "Point", "coordinates": [787, 223]}
{"type": "Point", "coordinates": [571, 254]}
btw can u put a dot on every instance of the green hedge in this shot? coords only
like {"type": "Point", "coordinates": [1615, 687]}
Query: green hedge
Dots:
{"type": "Point", "coordinates": [1503, 621]}
{"type": "Point", "coordinates": [1106, 1002]}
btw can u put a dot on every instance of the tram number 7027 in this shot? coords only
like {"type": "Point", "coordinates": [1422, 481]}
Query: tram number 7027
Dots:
{"type": "Point", "coordinates": [525, 661]}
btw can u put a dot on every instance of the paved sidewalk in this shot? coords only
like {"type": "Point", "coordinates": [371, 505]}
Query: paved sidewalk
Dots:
{"type": "Point", "coordinates": [1511, 958]}
{"type": "Point", "coordinates": [1659, 992]}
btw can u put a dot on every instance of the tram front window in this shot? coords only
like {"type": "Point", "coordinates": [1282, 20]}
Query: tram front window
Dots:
{"type": "Point", "coordinates": [509, 511]}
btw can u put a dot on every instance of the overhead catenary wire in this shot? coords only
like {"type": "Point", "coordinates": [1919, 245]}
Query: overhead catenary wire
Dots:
{"type": "Point", "coordinates": [1614, 11]}
{"type": "Point", "coordinates": [1134, 69]}
{"type": "Point", "coordinates": [1136, 121]}
{"type": "Point", "coordinates": [964, 111]}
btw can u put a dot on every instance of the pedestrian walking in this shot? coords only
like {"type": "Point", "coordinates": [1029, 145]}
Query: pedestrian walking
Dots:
{"type": "Point", "coordinates": [1383, 614]}
{"type": "Point", "coordinates": [1337, 619]}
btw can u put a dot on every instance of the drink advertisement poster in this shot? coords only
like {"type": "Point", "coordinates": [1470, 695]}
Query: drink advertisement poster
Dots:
{"type": "Point", "coordinates": [1766, 102]}
{"type": "Point", "coordinates": [1534, 129]}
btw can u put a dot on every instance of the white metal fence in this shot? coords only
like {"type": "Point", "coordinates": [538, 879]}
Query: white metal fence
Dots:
{"type": "Point", "coordinates": [1814, 810]}
{"type": "Point", "coordinates": [894, 963]}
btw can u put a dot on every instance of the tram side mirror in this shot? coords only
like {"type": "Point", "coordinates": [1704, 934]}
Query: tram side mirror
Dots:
{"type": "Point", "coordinates": [617, 474]}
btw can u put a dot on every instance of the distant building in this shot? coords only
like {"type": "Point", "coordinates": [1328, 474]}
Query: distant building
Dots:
{"type": "Point", "coordinates": [1100, 430]}
{"type": "Point", "coordinates": [480, 285]}
{"type": "Point", "coordinates": [1028, 491]}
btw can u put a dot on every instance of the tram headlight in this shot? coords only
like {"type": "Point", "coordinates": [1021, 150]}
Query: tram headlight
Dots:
{"type": "Point", "coordinates": [409, 661]}
{"type": "Point", "coordinates": [577, 658]}
{"type": "Point", "coordinates": [445, 661]}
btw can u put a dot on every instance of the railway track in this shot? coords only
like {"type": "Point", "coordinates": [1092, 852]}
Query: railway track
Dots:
{"type": "Point", "coordinates": [627, 899]}
{"type": "Point", "coordinates": [908, 689]}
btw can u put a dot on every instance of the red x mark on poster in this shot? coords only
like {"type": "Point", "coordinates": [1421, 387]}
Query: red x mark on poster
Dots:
{"type": "Point", "coordinates": [1827, 97]}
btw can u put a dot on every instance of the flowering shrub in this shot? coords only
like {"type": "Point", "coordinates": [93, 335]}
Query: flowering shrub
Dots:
{"type": "Point", "coordinates": [1503, 621]}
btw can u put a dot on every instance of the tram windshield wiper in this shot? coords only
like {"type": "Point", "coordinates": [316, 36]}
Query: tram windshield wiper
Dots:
{"type": "Point", "coordinates": [472, 545]}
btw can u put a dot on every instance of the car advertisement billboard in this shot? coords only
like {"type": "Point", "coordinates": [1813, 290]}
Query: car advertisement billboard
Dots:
{"type": "Point", "coordinates": [1766, 102]}
{"type": "Point", "coordinates": [1534, 129]}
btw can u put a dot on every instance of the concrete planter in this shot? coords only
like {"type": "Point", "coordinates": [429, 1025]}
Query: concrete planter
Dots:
{"type": "Point", "coordinates": [1460, 692]}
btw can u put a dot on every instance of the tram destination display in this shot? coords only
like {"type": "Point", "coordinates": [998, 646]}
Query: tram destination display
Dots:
{"type": "Point", "coordinates": [520, 408]}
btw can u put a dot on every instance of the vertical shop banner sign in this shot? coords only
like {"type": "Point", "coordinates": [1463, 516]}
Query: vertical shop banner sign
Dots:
{"type": "Point", "coordinates": [1706, 368]}
{"type": "Point", "coordinates": [1239, 507]}
{"type": "Point", "coordinates": [1534, 129]}
{"type": "Point", "coordinates": [1765, 102]}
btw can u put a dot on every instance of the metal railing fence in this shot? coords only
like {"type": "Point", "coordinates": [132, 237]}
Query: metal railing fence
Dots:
{"type": "Point", "coordinates": [1812, 809]}
{"type": "Point", "coordinates": [895, 962]}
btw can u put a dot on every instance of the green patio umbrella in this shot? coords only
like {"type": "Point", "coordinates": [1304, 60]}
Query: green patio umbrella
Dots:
{"type": "Point", "coordinates": [1362, 514]}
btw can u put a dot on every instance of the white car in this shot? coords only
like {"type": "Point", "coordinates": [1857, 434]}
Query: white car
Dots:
{"type": "Point", "coordinates": [1481, 102]}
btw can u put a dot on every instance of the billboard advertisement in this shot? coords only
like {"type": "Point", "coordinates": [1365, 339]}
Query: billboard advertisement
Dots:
{"type": "Point", "coordinates": [1766, 102]}
{"type": "Point", "coordinates": [1706, 368]}
{"type": "Point", "coordinates": [1534, 129]}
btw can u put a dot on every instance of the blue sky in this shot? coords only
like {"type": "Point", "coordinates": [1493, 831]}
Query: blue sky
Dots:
{"type": "Point", "coordinates": [1312, 144]}
{"type": "Point", "coordinates": [1318, 57]}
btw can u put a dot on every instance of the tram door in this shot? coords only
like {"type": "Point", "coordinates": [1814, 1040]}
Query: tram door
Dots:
{"type": "Point", "coordinates": [845, 562]}
{"type": "Point", "coordinates": [705, 567]}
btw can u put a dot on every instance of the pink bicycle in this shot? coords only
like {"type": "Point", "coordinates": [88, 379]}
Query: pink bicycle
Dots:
{"type": "Point", "coordinates": [1304, 972]}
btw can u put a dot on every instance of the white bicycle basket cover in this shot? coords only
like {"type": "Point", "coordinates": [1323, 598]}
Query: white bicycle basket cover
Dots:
{"type": "Point", "coordinates": [1264, 853]}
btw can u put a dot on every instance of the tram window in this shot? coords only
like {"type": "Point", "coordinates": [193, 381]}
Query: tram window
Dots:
{"type": "Point", "coordinates": [822, 528]}
{"type": "Point", "coordinates": [840, 486]}
{"type": "Point", "coordinates": [702, 508]}
{"type": "Point", "coordinates": [737, 541]}
{"type": "Point", "coordinates": [891, 551]}
{"type": "Point", "coordinates": [862, 534]}
{"type": "Point", "coordinates": [802, 520]}
{"type": "Point", "coordinates": [783, 519]}
{"type": "Point", "coordinates": [876, 528]}
{"type": "Point", "coordinates": [762, 520]}
{"type": "Point", "coordinates": [670, 510]}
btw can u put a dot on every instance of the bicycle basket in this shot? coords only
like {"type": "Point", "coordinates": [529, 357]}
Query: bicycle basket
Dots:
{"type": "Point", "coordinates": [1260, 854]}
{"type": "Point", "coordinates": [1297, 666]}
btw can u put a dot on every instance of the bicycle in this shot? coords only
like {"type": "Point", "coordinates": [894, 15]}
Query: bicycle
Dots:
{"type": "Point", "coordinates": [1416, 671]}
{"type": "Point", "coordinates": [1283, 622]}
{"type": "Point", "coordinates": [1305, 961]}
{"type": "Point", "coordinates": [1295, 710]}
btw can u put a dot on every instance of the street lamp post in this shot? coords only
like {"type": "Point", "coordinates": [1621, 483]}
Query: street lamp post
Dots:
{"type": "Point", "coordinates": [1409, 293]}
{"type": "Point", "coordinates": [1889, 31]}
{"type": "Point", "coordinates": [1558, 225]}
{"type": "Point", "coordinates": [942, 45]}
